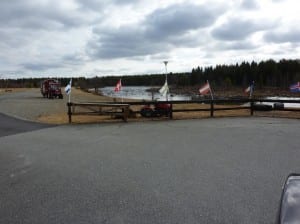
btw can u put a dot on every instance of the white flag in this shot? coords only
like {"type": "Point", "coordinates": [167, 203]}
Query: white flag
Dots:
{"type": "Point", "coordinates": [68, 87]}
{"type": "Point", "coordinates": [165, 89]}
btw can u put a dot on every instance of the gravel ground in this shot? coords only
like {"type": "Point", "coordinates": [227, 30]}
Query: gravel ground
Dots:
{"type": "Point", "coordinates": [30, 105]}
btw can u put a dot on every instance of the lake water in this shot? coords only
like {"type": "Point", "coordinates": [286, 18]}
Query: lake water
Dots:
{"type": "Point", "coordinates": [139, 92]}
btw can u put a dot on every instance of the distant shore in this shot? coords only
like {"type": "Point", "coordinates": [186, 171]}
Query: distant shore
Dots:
{"type": "Point", "coordinates": [231, 91]}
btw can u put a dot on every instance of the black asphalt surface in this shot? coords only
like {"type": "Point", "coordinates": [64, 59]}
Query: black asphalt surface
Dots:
{"type": "Point", "coordinates": [10, 125]}
{"type": "Point", "coordinates": [227, 170]}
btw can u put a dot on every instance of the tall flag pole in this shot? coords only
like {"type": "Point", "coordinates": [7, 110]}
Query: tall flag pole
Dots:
{"type": "Point", "coordinates": [166, 82]}
{"type": "Point", "coordinates": [250, 89]}
{"type": "Point", "coordinates": [205, 89]}
{"type": "Point", "coordinates": [68, 90]}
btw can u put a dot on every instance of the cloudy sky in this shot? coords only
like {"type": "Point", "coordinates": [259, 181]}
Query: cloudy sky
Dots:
{"type": "Point", "coordinates": [123, 37]}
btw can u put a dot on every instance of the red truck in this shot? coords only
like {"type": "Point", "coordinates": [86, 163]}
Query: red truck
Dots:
{"type": "Point", "coordinates": [51, 88]}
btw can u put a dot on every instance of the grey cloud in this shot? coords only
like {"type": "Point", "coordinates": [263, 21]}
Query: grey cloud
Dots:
{"type": "Point", "coordinates": [40, 66]}
{"type": "Point", "coordinates": [238, 29]}
{"type": "Point", "coordinates": [31, 15]}
{"type": "Point", "coordinates": [160, 31]}
{"type": "Point", "coordinates": [91, 4]}
{"type": "Point", "coordinates": [240, 45]}
{"type": "Point", "coordinates": [96, 5]}
{"type": "Point", "coordinates": [178, 19]}
{"type": "Point", "coordinates": [74, 59]}
{"type": "Point", "coordinates": [124, 2]}
{"type": "Point", "coordinates": [122, 44]}
{"type": "Point", "coordinates": [291, 36]}
{"type": "Point", "coordinates": [65, 62]}
{"type": "Point", "coordinates": [249, 4]}
{"type": "Point", "coordinates": [18, 40]}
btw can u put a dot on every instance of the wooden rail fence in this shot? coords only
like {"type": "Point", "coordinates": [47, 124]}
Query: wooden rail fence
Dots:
{"type": "Point", "coordinates": [122, 110]}
{"type": "Point", "coordinates": [115, 109]}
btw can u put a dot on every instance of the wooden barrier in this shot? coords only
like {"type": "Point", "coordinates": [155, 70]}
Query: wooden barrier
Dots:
{"type": "Point", "coordinates": [114, 109]}
{"type": "Point", "coordinates": [122, 109]}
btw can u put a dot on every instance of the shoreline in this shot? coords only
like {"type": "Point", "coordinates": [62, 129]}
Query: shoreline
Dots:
{"type": "Point", "coordinates": [236, 92]}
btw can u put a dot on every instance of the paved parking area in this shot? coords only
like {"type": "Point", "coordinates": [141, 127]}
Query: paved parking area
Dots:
{"type": "Point", "coordinates": [10, 125]}
{"type": "Point", "coordinates": [227, 170]}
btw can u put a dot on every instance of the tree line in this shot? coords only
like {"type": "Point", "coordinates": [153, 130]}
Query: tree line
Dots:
{"type": "Point", "coordinates": [268, 73]}
{"type": "Point", "coordinates": [265, 74]}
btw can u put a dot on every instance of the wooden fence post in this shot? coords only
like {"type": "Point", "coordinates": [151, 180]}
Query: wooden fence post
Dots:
{"type": "Point", "coordinates": [70, 112]}
{"type": "Point", "coordinates": [125, 111]}
{"type": "Point", "coordinates": [171, 111]}
{"type": "Point", "coordinates": [251, 107]}
{"type": "Point", "coordinates": [211, 108]}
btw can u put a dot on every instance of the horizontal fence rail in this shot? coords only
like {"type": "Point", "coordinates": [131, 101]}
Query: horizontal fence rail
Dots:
{"type": "Point", "coordinates": [123, 109]}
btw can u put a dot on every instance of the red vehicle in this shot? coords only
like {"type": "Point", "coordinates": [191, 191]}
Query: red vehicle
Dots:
{"type": "Point", "coordinates": [159, 109]}
{"type": "Point", "coordinates": [51, 88]}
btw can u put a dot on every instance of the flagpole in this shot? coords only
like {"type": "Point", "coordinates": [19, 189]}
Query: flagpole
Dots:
{"type": "Point", "coordinates": [121, 92]}
{"type": "Point", "coordinates": [121, 95]}
{"type": "Point", "coordinates": [70, 91]}
{"type": "Point", "coordinates": [166, 63]}
{"type": "Point", "coordinates": [251, 89]}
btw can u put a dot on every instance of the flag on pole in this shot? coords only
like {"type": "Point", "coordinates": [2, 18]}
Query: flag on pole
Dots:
{"type": "Point", "coordinates": [164, 89]}
{"type": "Point", "coordinates": [68, 88]}
{"type": "Point", "coordinates": [118, 86]}
{"type": "Point", "coordinates": [205, 89]}
{"type": "Point", "coordinates": [250, 89]}
{"type": "Point", "coordinates": [295, 88]}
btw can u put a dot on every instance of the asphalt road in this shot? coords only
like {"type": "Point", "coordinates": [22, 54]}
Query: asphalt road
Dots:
{"type": "Point", "coordinates": [10, 125]}
{"type": "Point", "coordinates": [227, 170]}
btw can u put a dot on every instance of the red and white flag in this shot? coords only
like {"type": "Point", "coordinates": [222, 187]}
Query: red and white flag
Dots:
{"type": "Point", "coordinates": [118, 86]}
{"type": "Point", "coordinates": [205, 89]}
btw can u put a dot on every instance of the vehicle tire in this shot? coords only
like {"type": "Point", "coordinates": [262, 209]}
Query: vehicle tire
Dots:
{"type": "Point", "coordinates": [262, 107]}
{"type": "Point", "coordinates": [278, 106]}
{"type": "Point", "coordinates": [147, 112]}
{"type": "Point", "coordinates": [158, 113]}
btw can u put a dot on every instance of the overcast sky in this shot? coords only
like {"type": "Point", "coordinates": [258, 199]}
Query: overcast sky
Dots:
{"type": "Point", "coordinates": [124, 37]}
